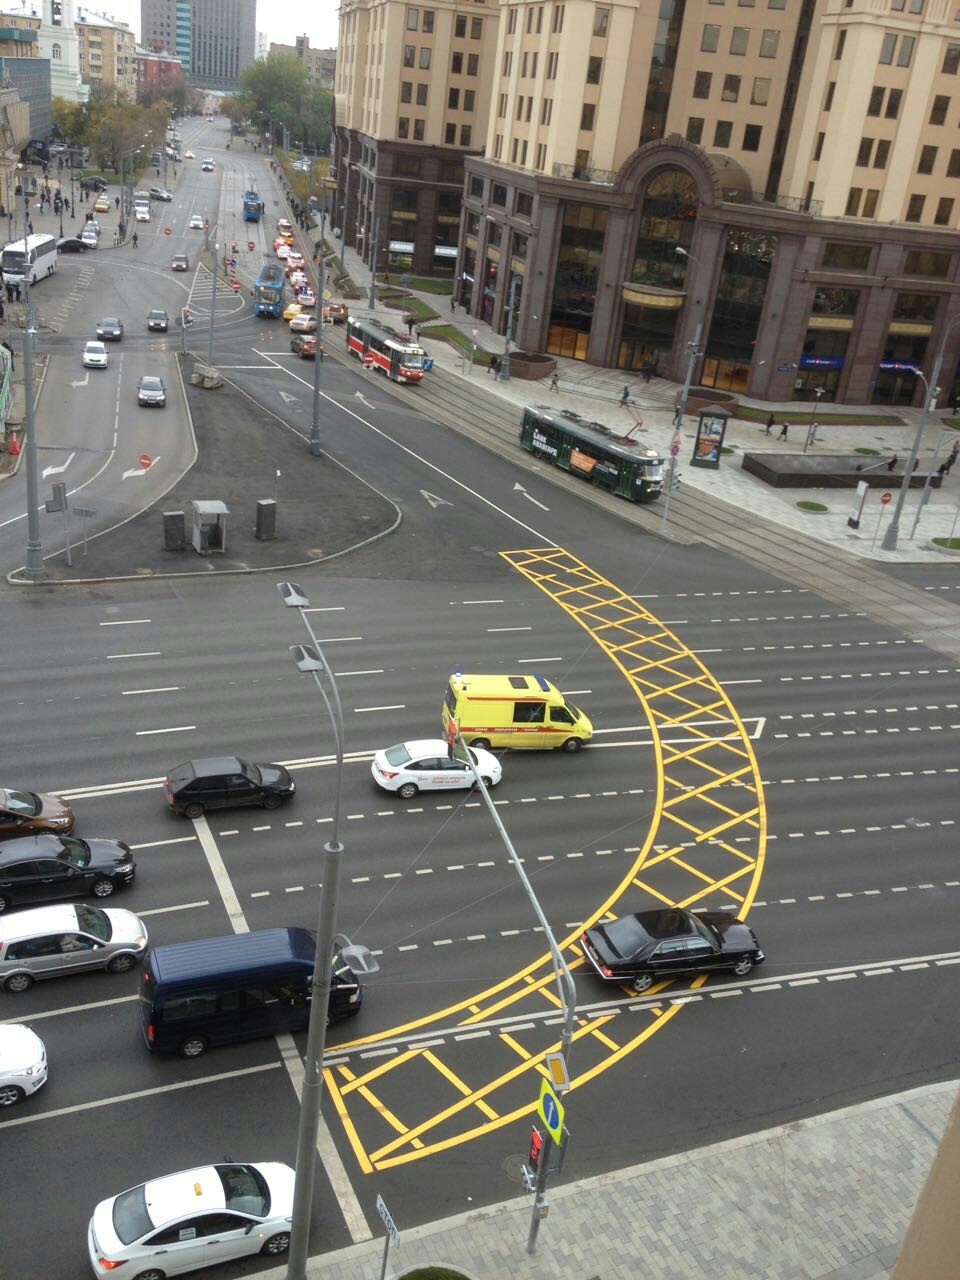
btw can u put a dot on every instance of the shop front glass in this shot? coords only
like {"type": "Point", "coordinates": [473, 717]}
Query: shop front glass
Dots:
{"type": "Point", "coordinates": [575, 280]}
{"type": "Point", "coordinates": [905, 348]}
{"type": "Point", "coordinates": [737, 311]}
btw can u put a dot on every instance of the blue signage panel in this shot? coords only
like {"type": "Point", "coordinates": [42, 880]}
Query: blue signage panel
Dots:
{"type": "Point", "coordinates": [821, 362]}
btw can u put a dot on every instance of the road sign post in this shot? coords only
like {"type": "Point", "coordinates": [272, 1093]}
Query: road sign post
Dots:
{"type": "Point", "coordinates": [885, 500]}
{"type": "Point", "coordinates": [392, 1234]}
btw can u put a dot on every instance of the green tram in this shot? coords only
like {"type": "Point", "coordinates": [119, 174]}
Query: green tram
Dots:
{"type": "Point", "coordinates": [593, 451]}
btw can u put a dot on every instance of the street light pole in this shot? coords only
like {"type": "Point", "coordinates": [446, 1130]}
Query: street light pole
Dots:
{"type": "Point", "coordinates": [310, 659]}
{"type": "Point", "coordinates": [681, 410]}
{"type": "Point", "coordinates": [504, 374]}
{"type": "Point", "coordinates": [373, 265]}
{"type": "Point", "coordinates": [315, 449]}
{"type": "Point", "coordinates": [213, 302]}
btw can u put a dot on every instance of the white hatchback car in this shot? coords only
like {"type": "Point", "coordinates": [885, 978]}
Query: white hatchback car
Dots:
{"type": "Point", "coordinates": [196, 222]}
{"type": "Point", "coordinates": [194, 1219]}
{"type": "Point", "coordinates": [94, 356]}
{"type": "Point", "coordinates": [427, 765]}
{"type": "Point", "coordinates": [23, 1063]}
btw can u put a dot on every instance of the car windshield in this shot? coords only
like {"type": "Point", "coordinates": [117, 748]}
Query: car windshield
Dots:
{"type": "Point", "coordinates": [96, 348]}
{"type": "Point", "coordinates": [75, 851]}
{"type": "Point", "coordinates": [244, 1190]}
{"type": "Point", "coordinates": [20, 802]}
{"type": "Point", "coordinates": [707, 931]}
{"type": "Point", "coordinates": [93, 920]}
{"type": "Point", "coordinates": [151, 384]}
{"type": "Point", "coordinates": [626, 935]}
{"type": "Point", "coordinates": [157, 315]}
{"type": "Point", "coordinates": [398, 755]}
{"type": "Point", "coordinates": [252, 772]}
{"type": "Point", "coordinates": [109, 323]}
{"type": "Point", "coordinates": [130, 1217]}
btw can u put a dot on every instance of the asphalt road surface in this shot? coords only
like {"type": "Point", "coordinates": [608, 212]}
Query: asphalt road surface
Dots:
{"type": "Point", "coordinates": [852, 837]}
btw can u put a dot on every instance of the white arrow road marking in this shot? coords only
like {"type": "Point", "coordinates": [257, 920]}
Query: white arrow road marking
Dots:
{"type": "Point", "coordinates": [141, 471]}
{"type": "Point", "coordinates": [83, 381]}
{"type": "Point", "coordinates": [287, 398]}
{"type": "Point", "coordinates": [430, 497]}
{"type": "Point", "coordinates": [58, 471]}
{"type": "Point", "coordinates": [358, 395]}
{"type": "Point", "coordinates": [518, 488]}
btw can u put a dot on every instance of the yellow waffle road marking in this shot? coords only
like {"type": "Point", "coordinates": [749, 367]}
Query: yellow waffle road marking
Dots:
{"type": "Point", "coordinates": [457, 1083]}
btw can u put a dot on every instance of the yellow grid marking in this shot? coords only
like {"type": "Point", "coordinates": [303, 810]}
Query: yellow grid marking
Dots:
{"type": "Point", "coordinates": [707, 786]}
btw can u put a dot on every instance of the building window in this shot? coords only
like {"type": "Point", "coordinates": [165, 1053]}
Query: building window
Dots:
{"type": "Point", "coordinates": [450, 135]}
{"type": "Point", "coordinates": [722, 132]}
{"type": "Point", "coordinates": [553, 60]}
{"type": "Point", "coordinates": [835, 302]}
{"type": "Point", "coordinates": [923, 262]}
{"type": "Point", "coordinates": [409, 55]}
{"type": "Point", "coordinates": [881, 154]}
{"type": "Point", "coordinates": [529, 108]}
{"type": "Point", "coordinates": [776, 4]}
{"type": "Point", "coordinates": [953, 164]}
{"type": "Point", "coordinates": [870, 203]}
{"type": "Point", "coordinates": [951, 60]}
{"type": "Point", "coordinates": [906, 51]}
{"type": "Point", "coordinates": [418, 130]}
{"type": "Point", "coordinates": [944, 212]}
{"type": "Point", "coordinates": [557, 19]}
{"type": "Point", "coordinates": [731, 89]}
{"type": "Point", "coordinates": [938, 112]}
{"type": "Point", "coordinates": [476, 188]}
{"type": "Point", "coordinates": [847, 257]}
{"type": "Point", "coordinates": [456, 64]}
{"type": "Point", "coordinates": [751, 137]}
{"type": "Point", "coordinates": [512, 21]}
{"type": "Point", "coordinates": [841, 41]}
{"type": "Point", "coordinates": [769, 44]}
{"type": "Point", "coordinates": [594, 67]}
{"type": "Point", "coordinates": [460, 27]}
{"type": "Point", "coordinates": [710, 39]}
{"type": "Point", "coordinates": [875, 105]}
{"type": "Point", "coordinates": [421, 95]}
{"type": "Point", "coordinates": [601, 20]}
{"type": "Point", "coordinates": [695, 129]}
{"type": "Point", "coordinates": [469, 99]}
{"type": "Point", "coordinates": [520, 107]}
{"type": "Point", "coordinates": [760, 93]}
{"type": "Point", "coordinates": [466, 131]}
{"type": "Point", "coordinates": [928, 158]}
{"type": "Point", "coordinates": [56, 53]}
{"type": "Point", "coordinates": [476, 28]}
{"type": "Point", "coordinates": [893, 104]}
{"type": "Point", "coordinates": [915, 208]}
{"type": "Point", "coordinates": [403, 127]}
{"type": "Point", "coordinates": [425, 58]}
{"type": "Point", "coordinates": [831, 88]}
{"type": "Point", "coordinates": [413, 19]}
{"type": "Point", "coordinates": [453, 99]}
{"type": "Point", "coordinates": [523, 66]}
{"type": "Point", "coordinates": [887, 47]}
{"type": "Point", "coordinates": [739, 39]}
{"type": "Point", "coordinates": [818, 149]}
{"type": "Point", "coordinates": [473, 63]}
{"type": "Point", "coordinates": [428, 22]}
{"type": "Point", "coordinates": [502, 107]}
{"type": "Point", "coordinates": [546, 111]}
{"type": "Point", "coordinates": [701, 84]}
{"type": "Point", "coordinates": [406, 91]}
{"type": "Point", "coordinates": [587, 115]}
{"type": "Point", "coordinates": [853, 201]}
{"type": "Point", "coordinates": [524, 208]}
{"type": "Point", "coordinates": [864, 152]}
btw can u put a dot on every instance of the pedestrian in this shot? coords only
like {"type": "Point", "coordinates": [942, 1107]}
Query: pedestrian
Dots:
{"type": "Point", "coordinates": [3, 318]}
{"type": "Point", "coordinates": [769, 428]}
{"type": "Point", "coordinates": [116, 237]}
{"type": "Point", "coordinates": [492, 366]}
{"type": "Point", "coordinates": [409, 322]}
{"type": "Point", "coordinates": [16, 293]}
{"type": "Point", "coordinates": [9, 288]}
{"type": "Point", "coordinates": [625, 397]}
{"type": "Point", "coordinates": [916, 463]}
{"type": "Point", "coordinates": [783, 431]}
{"type": "Point", "coordinates": [892, 463]}
{"type": "Point", "coordinates": [10, 349]}
{"type": "Point", "coordinates": [647, 371]}
{"type": "Point", "coordinates": [453, 304]}
{"type": "Point", "coordinates": [555, 381]}
{"type": "Point", "coordinates": [116, 201]}
{"type": "Point", "coordinates": [320, 351]}
{"type": "Point", "coordinates": [942, 470]}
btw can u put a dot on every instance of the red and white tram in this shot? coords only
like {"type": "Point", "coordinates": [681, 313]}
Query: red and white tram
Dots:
{"type": "Point", "coordinates": [399, 357]}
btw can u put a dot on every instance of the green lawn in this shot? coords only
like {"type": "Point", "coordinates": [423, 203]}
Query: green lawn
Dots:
{"type": "Point", "coordinates": [451, 334]}
{"type": "Point", "coordinates": [747, 413]}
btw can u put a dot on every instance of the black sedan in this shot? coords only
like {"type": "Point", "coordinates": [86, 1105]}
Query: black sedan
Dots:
{"type": "Point", "coordinates": [223, 783]}
{"type": "Point", "coordinates": [158, 321]}
{"type": "Point", "coordinates": [652, 946]}
{"type": "Point", "coordinates": [71, 244]}
{"type": "Point", "coordinates": [49, 868]}
{"type": "Point", "coordinates": [110, 329]}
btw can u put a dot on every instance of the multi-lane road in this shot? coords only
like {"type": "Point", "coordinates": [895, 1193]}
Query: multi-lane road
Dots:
{"type": "Point", "coordinates": [756, 747]}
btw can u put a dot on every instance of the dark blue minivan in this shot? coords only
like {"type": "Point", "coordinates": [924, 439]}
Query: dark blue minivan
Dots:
{"type": "Point", "coordinates": [239, 987]}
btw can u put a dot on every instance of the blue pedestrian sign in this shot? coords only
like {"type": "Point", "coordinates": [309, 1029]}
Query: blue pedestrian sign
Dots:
{"type": "Point", "coordinates": [551, 1112]}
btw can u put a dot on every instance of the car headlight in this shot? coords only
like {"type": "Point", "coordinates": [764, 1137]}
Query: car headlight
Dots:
{"type": "Point", "coordinates": [33, 1071]}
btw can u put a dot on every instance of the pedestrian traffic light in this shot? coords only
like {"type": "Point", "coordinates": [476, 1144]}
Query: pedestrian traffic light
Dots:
{"type": "Point", "coordinates": [536, 1147]}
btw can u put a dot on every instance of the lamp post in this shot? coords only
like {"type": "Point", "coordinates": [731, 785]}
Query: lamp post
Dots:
{"type": "Point", "coordinates": [315, 450]}
{"type": "Point", "coordinates": [373, 265]}
{"type": "Point", "coordinates": [213, 302]}
{"type": "Point", "coordinates": [925, 491]}
{"type": "Point", "coordinates": [504, 374]}
{"type": "Point", "coordinates": [889, 540]}
{"type": "Point", "coordinates": [344, 210]}
{"type": "Point", "coordinates": [310, 659]}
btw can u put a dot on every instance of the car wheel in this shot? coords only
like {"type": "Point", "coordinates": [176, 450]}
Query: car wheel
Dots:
{"type": "Point", "coordinates": [152, 1274]}
{"type": "Point", "coordinates": [102, 888]}
{"type": "Point", "coordinates": [195, 1047]}
{"type": "Point", "coordinates": [571, 745]}
{"type": "Point", "coordinates": [277, 1244]}
{"type": "Point", "coordinates": [483, 744]}
{"type": "Point", "coordinates": [10, 1095]}
{"type": "Point", "coordinates": [271, 802]}
{"type": "Point", "coordinates": [743, 966]}
{"type": "Point", "coordinates": [194, 810]}
{"type": "Point", "coordinates": [19, 982]}
{"type": "Point", "coordinates": [122, 963]}
{"type": "Point", "coordinates": [487, 782]}
{"type": "Point", "coordinates": [4, 903]}
{"type": "Point", "coordinates": [642, 982]}
{"type": "Point", "coordinates": [408, 790]}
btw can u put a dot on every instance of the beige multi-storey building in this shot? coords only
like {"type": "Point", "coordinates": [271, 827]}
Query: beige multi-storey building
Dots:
{"type": "Point", "coordinates": [108, 60]}
{"type": "Point", "coordinates": [774, 179]}
{"type": "Point", "coordinates": [320, 64]}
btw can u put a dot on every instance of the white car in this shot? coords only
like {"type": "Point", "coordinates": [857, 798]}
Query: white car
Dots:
{"type": "Point", "coordinates": [94, 356]}
{"type": "Point", "coordinates": [194, 1219]}
{"type": "Point", "coordinates": [427, 765]}
{"type": "Point", "coordinates": [206, 165]}
{"type": "Point", "coordinates": [196, 222]}
{"type": "Point", "coordinates": [141, 213]}
{"type": "Point", "coordinates": [284, 226]}
{"type": "Point", "coordinates": [23, 1063]}
{"type": "Point", "coordinates": [283, 252]}
{"type": "Point", "coordinates": [188, 155]}
{"type": "Point", "coordinates": [303, 323]}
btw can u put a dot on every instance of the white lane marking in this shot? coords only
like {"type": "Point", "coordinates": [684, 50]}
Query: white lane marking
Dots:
{"type": "Point", "coordinates": [374, 671]}
{"type": "Point", "coordinates": [150, 653]}
{"type": "Point", "coordinates": [334, 1167]}
{"type": "Point", "coordinates": [125, 622]}
{"type": "Point", "coordinates": [478, 602]}
{"type": "Point", "coordinates": [726, 682]}
{"type": "Point", "coordinates": [156, 844]}
{"type": "Point", "coordinates": [167, 688]}
{"type": "Point", "coordinates": [328, 608]}
{"type": "Point", "coordinates": [75, 1008]}
{"type": "Point", "coordinates": [176, 728]}
{"type": "Point", "coordinates": [338, 639]}
{"type": "Point", "coordinates": [181, 906]}
{"type": "Point", "coordinates": [396, 706]}
{"type": "Point", "coordinates": [139, 1093]}
{"type": "Point", "coordinates": [574, 693]}
{"type": "Point", "coordinates": [494, 630]}
{"type": "Point", "coordinates": [529, 660]}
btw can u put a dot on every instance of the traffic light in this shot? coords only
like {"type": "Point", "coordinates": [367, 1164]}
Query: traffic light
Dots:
{"type": "Point", "coordinates": [676, 481]}
{"type": "Point", "coordinates": [536, 1148]}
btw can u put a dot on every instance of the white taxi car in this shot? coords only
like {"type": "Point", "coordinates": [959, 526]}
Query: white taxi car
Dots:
{"type": "Point", "coordinates": [94, 356]}
{"type": "Point", "coordinates": [427, 765]}
{"type": "Point", "coordinates": [194, 1219]}
{"type": "Point", "coordinates": [23, 1063]}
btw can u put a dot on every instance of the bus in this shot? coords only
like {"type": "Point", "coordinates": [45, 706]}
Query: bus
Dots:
{"type": "Point", "coordinates": [399, 357]}
{"type": "Point", "coordinates": [252, 206]}
{"type": "Point", "coordinates": [594, 451]}
{"type": "Point", "coordinates": [30, 257]}
{"type": "Point", "coordinates": [269, 290]}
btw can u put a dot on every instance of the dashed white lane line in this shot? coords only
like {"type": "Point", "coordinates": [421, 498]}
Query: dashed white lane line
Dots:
{"type": "Point", "coordinates": [373, 671]}
{"type": "Point", "coordinates": [177, 728]}
{"type": "Point", "coordinates": [456, 602]}
{"type": "Point", "coordinates": [148, 653]}
{"type": "Point", "coordinates": [167, 688]}
{"type": "Point", "coordinates": [495, 630]}
{"type": "Point", "coordinates": [396, 706]}
{"type": "Point", "coordinates": [338, 639]}
{"type": "Point", "coordinates": [125, 622]}
{"type": "Point", "coordinates": [527, 661]}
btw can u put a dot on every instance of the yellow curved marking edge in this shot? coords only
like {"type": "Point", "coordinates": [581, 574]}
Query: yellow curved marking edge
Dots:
{"type": "Point", "coordinates": [707, 838]}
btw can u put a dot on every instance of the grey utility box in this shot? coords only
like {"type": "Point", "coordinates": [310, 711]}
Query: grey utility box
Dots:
{"type": "Point", "coordinates": [174, 531]}
{"type": "Point", "coordinates": [266, 528]}
{"type": "Point", "coordinates": [209, 527]}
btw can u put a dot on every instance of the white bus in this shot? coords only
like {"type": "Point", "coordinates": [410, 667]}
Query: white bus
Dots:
{"type": "Point", "coordinates": [30, 256]}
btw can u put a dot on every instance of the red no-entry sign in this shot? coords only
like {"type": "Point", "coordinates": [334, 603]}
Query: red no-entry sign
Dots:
{"type": "Point", "coordinates": [146, 461]}
{"type": "Point", "coordinates": [235, 286]}
{"type": "Point", "coordinates": [251, 245]}
{"type": "Point", "coordinates": [368, 359]}
{"type": "Point", "coordinates": [886, 497]}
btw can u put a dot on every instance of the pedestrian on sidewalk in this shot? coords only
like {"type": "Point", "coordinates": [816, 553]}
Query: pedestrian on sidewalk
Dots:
{"type": "Point", "coordinates": [9, 289]}
{"type": "Point", "coordinates": [770, 422]}
{"type": "Point", "coordinates": [116, 201]}
{"type": "Point", "coordinates": [646, 371]}
{"type": "Point", "coordinates": [555, 381]}
{"type": "Point", "coordinates": [492, 366]}
{"type": "Point", "coordinates": [16, 293]}
{"type": "Point", "coordinates": [892, 463]}
{"type": "Point", "coordinates": [3, 318]}
{"type": "Point", "coordinates": [942, 470]}
{"type": "Point", "coordinates": [625, 397]}
{"type": "Point", "coordinates": [783, 431]}
{"type": "Point", "coordinates": [453, 304]}
{"type": "Point", "coordinates": [409, 321]}
{"type": "Point", "coordinates": [952, 457]}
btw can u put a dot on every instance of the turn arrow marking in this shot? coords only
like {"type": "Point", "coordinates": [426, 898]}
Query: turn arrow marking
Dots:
{"type": "Point", "coordinates": [518, 488]}
{"type": "Point", "coordinates": [58, 471]}
{"type": "Point", "coordinates": [83, 382]}
{"type": "Point", "coordinates": [434, 500]}
{"type": "Point", "coordinates": [141, 471]}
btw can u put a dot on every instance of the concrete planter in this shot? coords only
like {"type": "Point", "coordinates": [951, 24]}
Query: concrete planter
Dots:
{"type": "Point", "coordinates": [531, 367]}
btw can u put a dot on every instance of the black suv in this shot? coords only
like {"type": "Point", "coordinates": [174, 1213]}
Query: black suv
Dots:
{"type": "Point", "coordinates": [225, 782]}
{"type": "Point", "coordinates": [93, 183]}
{"type": "Point", "coordinates": [304, 345]}
{"type": "Point", "coordinates": [49, 868]}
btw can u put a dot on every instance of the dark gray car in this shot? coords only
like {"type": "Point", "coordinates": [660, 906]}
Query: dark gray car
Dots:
{"type": "Point", "coordinates": [110, 329]}
{"type": "Point", "coordinates": [224, 782]}
{"type": "Point", "coordinates": [49, 868]}
{"type": "Point", "coordinates": [151, 391]}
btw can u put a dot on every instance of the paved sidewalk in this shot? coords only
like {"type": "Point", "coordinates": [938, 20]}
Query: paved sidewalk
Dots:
{"type": "Point", "coordinates": [595, 393]}
{"type": "Point", "coordinates": [827, 1198]}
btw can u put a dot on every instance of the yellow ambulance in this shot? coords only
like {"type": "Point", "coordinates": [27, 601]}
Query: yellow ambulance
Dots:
{"type": "Point", "coordinates": [513, 711]}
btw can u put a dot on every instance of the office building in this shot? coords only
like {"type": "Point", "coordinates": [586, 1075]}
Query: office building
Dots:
{"type": "Point", "coordinates": [107, 54]}
{"type": "Point", "coordinates": [320, 64]}
{"type": "Point", "coordinates": [214, 39]}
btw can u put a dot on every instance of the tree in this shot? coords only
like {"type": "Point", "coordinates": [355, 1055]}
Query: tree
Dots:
{"type": "Point", "coordinates": [70, 120]}
{"type": "Point", "coordinates": [276, 87]}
